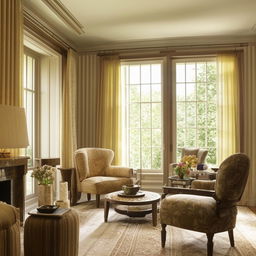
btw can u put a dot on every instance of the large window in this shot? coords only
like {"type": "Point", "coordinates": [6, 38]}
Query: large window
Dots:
{"type": "Point", "coordinates": [196, 106]}
{"type": "Point", "coordinates": [142, 87]}
{"type": "Point", "coordinates": [41, 84]}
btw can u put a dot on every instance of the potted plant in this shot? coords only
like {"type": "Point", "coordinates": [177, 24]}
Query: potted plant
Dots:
{"type": "Point", "coordinates": [45, 177]}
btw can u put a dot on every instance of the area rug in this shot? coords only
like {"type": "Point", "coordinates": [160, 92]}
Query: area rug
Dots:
{"type": "Point", "coordinates": [124, 236]}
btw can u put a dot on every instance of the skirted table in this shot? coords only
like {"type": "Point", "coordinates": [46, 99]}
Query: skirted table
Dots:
{"type": "Point", "coordinates": [52, 235]}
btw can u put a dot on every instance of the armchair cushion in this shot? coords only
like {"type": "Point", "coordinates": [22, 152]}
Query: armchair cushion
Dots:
{"type": "Point", "coordinates": [203, 184]}
{"type": "Point", "coordinates": [198, 213]}
{"type": "Point", "coordinates": [103, 184]}
{"type": "Point", "coordinates": [118, 171]}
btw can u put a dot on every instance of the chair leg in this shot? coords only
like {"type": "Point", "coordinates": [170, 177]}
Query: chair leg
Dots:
{"type": "Point", "coordinates": [231, 237]}
{"type": "Point", "coordinates": [163, 235]}
{"type": "Point", "coordinates": [97, 201]}
{"type": "Point", "coordinates": [88, 196]}
{"type": "Point", "coordinates": [210, 244]}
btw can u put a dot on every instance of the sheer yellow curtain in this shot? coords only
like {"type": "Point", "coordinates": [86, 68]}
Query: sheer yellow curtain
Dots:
{"type": "Point", "coordinates": [228, 107]}
{"type": "Point", "coordinates": [68, 136]}
{"type": "Point", "coordinates": [109, 111]}
{"type": "Point", "coordinates": [11, 54]}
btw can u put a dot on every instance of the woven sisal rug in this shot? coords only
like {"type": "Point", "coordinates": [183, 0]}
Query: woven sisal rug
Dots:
{"type": "Point", "coordinates": [123, 236]}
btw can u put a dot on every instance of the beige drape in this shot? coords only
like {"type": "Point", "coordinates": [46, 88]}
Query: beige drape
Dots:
{"type": "Point", "coordinates": [11, 54]}
{"type": "Point", "coordinates": [109, 111]}
{"type": "Point", "coordinates": [249, 122]}
{"type": "Point", "coordinates": [68, 128]}
{"type": "Point", "coordinates": [228, 107]}
{"type": "Point", "coordinates": [88, 83]}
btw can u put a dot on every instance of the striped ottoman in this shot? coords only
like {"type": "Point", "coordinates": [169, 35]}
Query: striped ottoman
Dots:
{"type": "Point", "coordinates": [52, 236]}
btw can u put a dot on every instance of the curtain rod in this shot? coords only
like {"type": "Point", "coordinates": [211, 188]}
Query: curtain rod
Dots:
{"type": "Point", "coordinates": [173, 49]}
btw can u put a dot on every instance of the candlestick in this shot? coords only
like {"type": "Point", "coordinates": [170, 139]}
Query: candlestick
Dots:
{"type": "Point", "coordinates": [63, 191]}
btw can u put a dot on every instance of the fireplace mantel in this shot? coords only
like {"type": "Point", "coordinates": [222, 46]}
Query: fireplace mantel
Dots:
{"type": "Point", "coordinates": [15, 169]}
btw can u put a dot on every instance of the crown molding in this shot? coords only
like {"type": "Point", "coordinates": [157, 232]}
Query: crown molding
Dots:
{"type": "Point", "coordinates": [197, 41]}
{"type": "Point", "coordinates": [45, 32]}
{"type": "Point", "coordinates": [58, 8]}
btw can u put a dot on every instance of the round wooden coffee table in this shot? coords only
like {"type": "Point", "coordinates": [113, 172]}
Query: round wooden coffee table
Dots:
{"type": "Point", "coordinates": [150, 198]}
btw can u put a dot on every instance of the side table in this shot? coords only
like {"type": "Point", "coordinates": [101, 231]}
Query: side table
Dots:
{"type": "Point", "coordinates": [51, 235]}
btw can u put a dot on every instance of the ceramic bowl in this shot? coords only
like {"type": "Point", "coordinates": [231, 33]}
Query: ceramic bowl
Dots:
{"type": "Point", "coordinates": [47, 208]}
{"type": "Point", "coordinates": [131, 189]}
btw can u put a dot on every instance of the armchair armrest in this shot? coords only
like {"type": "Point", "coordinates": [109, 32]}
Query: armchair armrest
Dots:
{"type": "Point", "coordinates": [177, 190]}
{"type": "Point", "coordinates": [118, 171]}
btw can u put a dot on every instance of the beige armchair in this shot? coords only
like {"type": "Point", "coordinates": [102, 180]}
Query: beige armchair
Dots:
{"type": "Point", "coordinates": [9, 230]}
{"type": "Point", "coordinates": [96, 175]}
{"type": "Point", "coordinates": [215, 211]}
{"type": "Point", "coordinates": [199, 153]}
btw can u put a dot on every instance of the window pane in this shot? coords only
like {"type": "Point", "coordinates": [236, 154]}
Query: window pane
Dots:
{"type": "Point", "coordinates": [156, 73]}
{"type": "Point", "coordinates": [191, 114]}
{"type": "Point", "coordinates": [145, 74]}
{"type": "Point", "coordinates": [156, 92]}
{"type": "Point", "coordinates": [145, 115]}
{"type": "Point", "coordinates": [181, 136]}
{"type": "Point", "coordinates": [211, 72]}
{"type": "Point", "coordinates": [201, 72]}
{"type": "Point", "coordinates": [190, 72]}
{"type": "Point", "coordinates": [201, 91]}
{"type": "Point", "coordinates": [134, 93]}
{"type": "Point", "coordinates": [145, 92]}
{"type": "Point", "coordinates": [145, 137]}
{"type": "Point", "coordinates": [156, 115]}
{"type": "Point", "coordinates": [135, 115]}
{"type": "Point", "coordinates": [134, 74]}
{"type": "Point", "coordinates": [180, 92]}
{"type": "Point", "coordinates": [190, 92]}
{"type": "Point", "coordinates": [146, 158]}
{"type": "Point", "coordinates": [181, 114]}
{"type": "Point", "coordinates": [201, 137]}
{"type": "Point", "coordinates": [156, 138]}
{"type": "Point", "coordinates": [30, 73]}
{"type": "Point", "coordinates": [180, 73]}
{"type": "Point", "coordinates": [156, 158]}
{"type": "Point", "coordinates": [190, 137]}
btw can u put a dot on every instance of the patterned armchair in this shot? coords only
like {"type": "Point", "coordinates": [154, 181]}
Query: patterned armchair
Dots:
{"type": "Point", "coordinates": [9, 230]}
{"type": "Point", "coordinates": [214, 212]}
{"type": "Point", "coordinates": [96, 175]}
{"type": "Point", "coordinates": [199, 153]}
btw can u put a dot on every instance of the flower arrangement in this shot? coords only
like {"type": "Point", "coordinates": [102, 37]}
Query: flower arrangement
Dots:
{"type": "Point", "coordinates": [184, 166]}
{"type": "Point", "coordinates": [44, 174]}
{"type": "Point", "coordinates": [190, 160]}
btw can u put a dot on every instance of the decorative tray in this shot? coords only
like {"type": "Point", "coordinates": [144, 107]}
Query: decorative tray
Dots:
{"type": "Point", "coordinates": [139, 194]}
{"type": "Point", "coordinates": [57, 213]}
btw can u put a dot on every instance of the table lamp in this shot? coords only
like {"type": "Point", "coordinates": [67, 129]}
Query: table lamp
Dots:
{"type": "Point", "coordinates": [13, 129]}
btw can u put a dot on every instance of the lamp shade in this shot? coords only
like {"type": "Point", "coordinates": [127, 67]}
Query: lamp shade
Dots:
{"type": "Point", "coordinates": [13, 127]}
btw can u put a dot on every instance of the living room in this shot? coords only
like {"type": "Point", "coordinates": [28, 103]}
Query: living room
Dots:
{"type": "Point", "coordinates": [145, 80]}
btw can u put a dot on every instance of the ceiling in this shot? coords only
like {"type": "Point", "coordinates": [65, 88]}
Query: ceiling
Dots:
{"type": "Point", "coordinates": [107, 23]}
